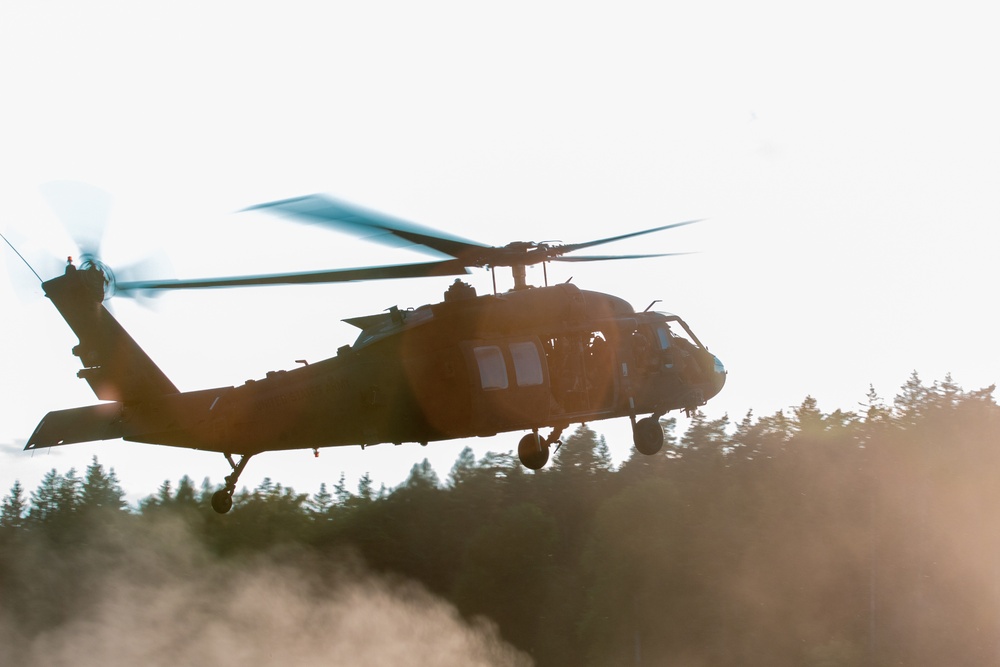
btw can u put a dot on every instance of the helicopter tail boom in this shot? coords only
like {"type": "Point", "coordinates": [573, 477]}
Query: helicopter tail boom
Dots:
{"type": "Point", "coordinates": [114, 365]}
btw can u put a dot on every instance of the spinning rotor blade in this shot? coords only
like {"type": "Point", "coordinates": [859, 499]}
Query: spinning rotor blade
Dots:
{"type": "Point", "coordinates": [34, 261]}
{"type": "Point", "coordinates": [322, 210]}
{"type": "Point", "coordinates": [137, 272]}
{"type": "Point", "coordinates": [444, 268]}
{"type": "Point", "coordinates": [381, 228]}
{"type": "Point", "coordinates": [83, 210]}
{"type": "Point", "coordinates": [371, 225]}
{"type": "Point", "coordinates": [571, 247]}
{"type": "Point", "coordinates": [603, 258]}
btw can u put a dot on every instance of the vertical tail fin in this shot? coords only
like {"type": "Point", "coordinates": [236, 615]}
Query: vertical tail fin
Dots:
{"type": "Point", "coordinates": [114, 365]}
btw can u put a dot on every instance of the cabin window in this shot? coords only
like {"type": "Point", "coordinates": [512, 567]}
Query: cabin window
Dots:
{"type": "Point", "coordinates": [492, 369]}
{"type": "Point", "coordinates": [527, 364]}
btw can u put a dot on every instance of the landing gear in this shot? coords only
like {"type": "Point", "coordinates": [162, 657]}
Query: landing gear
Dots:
{"type": "Point", "coordinates": [648, 435]}
{"type": "Point", "coordinates": [222, 500]}
{"type": "Point", "coordinates": [533, 450]}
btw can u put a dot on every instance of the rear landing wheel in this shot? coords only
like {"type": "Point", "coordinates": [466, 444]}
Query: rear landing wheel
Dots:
{"type": "Point", "coordinates": [648, 436]}
{"type": "Point", "coordinates": [222, 501]}
{"type": "Point", "coordinates": [533, 451]}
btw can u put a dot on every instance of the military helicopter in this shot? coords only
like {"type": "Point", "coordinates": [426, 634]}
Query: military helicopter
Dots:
{"type": "Point", "coordinates": [528, 359]}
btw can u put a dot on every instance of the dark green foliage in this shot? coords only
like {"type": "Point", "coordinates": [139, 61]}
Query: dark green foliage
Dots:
{"type": "Point", "coordinates": [101, 491]}
{"type": "Point", "coordinates": [504, 573]}
{"type": "Point", "coordinates": [14, 507]}
{"type": "Point", "coordinates": [55, 498]}
{"type": "Point", "coordinates": [799, 538]}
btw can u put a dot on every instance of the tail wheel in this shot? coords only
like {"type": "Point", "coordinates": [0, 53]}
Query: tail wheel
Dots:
{"type": "Point", "coordinates": [533, 451]}
{"type": "Point", "coordinates": [648, 436]}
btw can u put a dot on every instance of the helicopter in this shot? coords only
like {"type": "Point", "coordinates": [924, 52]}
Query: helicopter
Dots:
{"type": "Point", "coordinates": [530, 359]}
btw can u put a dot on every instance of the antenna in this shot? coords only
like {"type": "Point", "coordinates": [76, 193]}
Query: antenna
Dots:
{"type": "Point", "coordinates": [22, 257]}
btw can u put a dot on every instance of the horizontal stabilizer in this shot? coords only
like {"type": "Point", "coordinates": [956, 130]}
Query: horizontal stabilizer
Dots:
{"type": "Point", "coordinates": [66, 427]}
{"type": "Point", "coordinates": [181, 420]}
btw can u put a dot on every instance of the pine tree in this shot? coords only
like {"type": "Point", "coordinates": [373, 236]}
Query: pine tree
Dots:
{"type": "Point", "coordinates": [165, 494]}
{"type": "Point", "coordinates": [321, 502]}
{"type": "Point", "coordinates": [808, 417]}
{"type": "Point", "coordinates": [101, 490]}
{"type": "Point", "coordinates": [45, 499]}
{"type": "Point", "coordinates": [464, 468]}
{"type": "Point", "coordinates": [422, 475]}
{"type": "Point", "coordinates": [911, 402]}
{"type": "Point", "coordinates": [582, 452]}
{"type": "Point", "coordinates": [876, 411]}
{"type": "Point", "coordinates": [186, 494]}
{"type": "Point", "coordinates": [13, 509]}
{"type": "Point", "coordinates": [706, 436]}
{"type": "Point", "coordinates": [366, 489]}
{"type": "Point", "coordinates": [342, 496]}
{"type": "Point", "coordinates": [68, 494]}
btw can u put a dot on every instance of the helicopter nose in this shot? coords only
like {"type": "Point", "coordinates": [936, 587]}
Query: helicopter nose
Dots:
{"type": "Point", "coordinates": [718, 375]}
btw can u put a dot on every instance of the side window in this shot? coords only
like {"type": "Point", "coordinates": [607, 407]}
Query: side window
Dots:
{"type": "Point", "coordinates": [492, 369]}
{"type": "Point", "coordinates": [664, 337]}
{"type": "Point", "coordinates": [527, 364]}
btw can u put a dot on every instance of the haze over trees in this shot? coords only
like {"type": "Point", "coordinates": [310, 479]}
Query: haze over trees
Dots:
{"type": "Point", "coordinates": [867, 537]}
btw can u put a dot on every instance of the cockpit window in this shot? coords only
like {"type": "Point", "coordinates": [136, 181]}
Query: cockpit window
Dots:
{"type": "Point", "coordinates": [492, 369]}
{"type": "Point", "coordinates": [675, 329]}
{"type": "Point", "coordinates": [663, 336]}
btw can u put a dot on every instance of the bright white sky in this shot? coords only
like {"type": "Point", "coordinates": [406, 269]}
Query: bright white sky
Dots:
{"type": "Point", "coordinates": [846, 155]}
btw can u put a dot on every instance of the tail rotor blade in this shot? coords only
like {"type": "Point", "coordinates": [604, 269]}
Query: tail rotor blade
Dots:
{"type": "Point", "coordinates": [83, 210]}
{"type": "Point", "coordinates": [28, 265]}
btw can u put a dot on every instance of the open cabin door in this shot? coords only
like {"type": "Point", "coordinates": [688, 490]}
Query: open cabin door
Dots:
{"type": "Point", "coordinates": [584, 374]}
{"type": "Point", "coordinates": [510, 384]}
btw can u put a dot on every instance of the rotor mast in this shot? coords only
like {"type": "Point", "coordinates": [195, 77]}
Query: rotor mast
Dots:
{"type": "Point", "coordinates": [520, 273]}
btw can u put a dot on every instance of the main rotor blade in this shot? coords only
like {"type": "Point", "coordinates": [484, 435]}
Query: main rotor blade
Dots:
{"type": "Point", "coordinates": [571, 247]}
{"type": "Point", "coordinates": [372, 225]}
{"type": "Point", "coordinates": [603, 258]}
{"type": "Point", "coordinates": [444, 268]}
{"type": "Point", "coordinates": [82, 209]}
{"type": "Point", "coordinates": [157, 264]}
{"type": "Point", "coordinates": [322, 210]}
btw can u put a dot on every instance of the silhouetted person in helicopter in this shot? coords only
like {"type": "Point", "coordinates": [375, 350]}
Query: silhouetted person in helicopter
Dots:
{"type": "Point", "coordinates": [459, 290]}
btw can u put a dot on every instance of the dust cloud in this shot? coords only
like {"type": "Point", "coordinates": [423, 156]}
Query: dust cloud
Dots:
{"type": "Point", "coordinates": [167, 602]}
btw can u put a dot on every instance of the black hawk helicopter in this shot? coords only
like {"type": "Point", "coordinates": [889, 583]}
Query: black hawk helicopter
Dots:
{"type": "Point", "coordinates": [528, 359]}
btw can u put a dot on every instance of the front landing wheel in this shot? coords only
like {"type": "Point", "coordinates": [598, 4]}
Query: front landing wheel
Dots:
{"type": "Point", "coordinates": [222, 501]}
{"type": "Point", "coordinates": [533, 451]}
{"type": "Point", "coordinates": [648, 436]}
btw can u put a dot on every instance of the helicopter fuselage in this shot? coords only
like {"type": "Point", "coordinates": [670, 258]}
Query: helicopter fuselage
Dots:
{"type": "Point", "coordinates": [468, 366]}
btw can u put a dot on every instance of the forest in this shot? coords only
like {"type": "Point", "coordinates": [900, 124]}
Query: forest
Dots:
{"type": "Point", "coordinates": [867, 537]}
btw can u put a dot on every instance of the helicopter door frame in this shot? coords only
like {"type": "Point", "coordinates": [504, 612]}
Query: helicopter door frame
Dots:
{"type": "Point", "coordinates": [509, 382]}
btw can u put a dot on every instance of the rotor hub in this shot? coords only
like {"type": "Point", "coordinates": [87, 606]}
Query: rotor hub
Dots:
{"type": "Point", "coordinates": [99, 274]}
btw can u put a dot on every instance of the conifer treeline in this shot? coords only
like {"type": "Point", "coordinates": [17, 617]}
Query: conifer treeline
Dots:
{"type": "Point", "coordinates": [799, 538]}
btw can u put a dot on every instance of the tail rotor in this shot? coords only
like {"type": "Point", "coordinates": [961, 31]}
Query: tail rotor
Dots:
{"type": "Point", "coordinates": [84, 211]}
